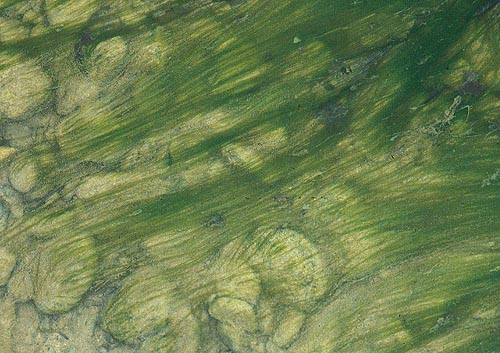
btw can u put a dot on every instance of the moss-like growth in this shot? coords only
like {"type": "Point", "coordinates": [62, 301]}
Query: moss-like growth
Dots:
{"type": "Point", "coordinates": [7, 262]}
{"type": "Point", "coordinates": [7, 319]}
{"type": "Point", "coordinates": [148, 305]}
{"type": "Point", "coordinates": [290, 266]}
{"type": "Point", "coordinates": [63, 271]}
{"type": "Point", "coordinates": [23, 174]}
{"type": "Point", "coordinates": [23, 87]}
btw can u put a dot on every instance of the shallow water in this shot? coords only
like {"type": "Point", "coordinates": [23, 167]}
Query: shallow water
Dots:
{"type": "Point", "coordinates": [249, 176]}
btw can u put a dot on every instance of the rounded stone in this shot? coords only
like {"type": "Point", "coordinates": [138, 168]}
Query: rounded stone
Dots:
{"type": "Point", "coordinates": [234, 312]}
{"type": "Point", "coordinates": [7, 263]}
{"type": "Point", "coordinates": [22, 87]}
{"type": "Point", "coordinates": [107, 57]}
{"type": "Point", "coordinates": [23, 175]}
{"type": "Point", "coordinates": [64, 271]}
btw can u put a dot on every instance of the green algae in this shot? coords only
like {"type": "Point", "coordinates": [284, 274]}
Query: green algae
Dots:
{"type": "Point", "coordinates": [348, 150]}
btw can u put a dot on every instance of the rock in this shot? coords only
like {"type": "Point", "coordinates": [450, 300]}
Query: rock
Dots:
{"type": "Point", "coordinates": [233, 277]}
{"type": "Point", "coordinates": [12, 199]}
{"type": "Point", "coordinates": [7, 318]}
{"type": "Point", "coordinates": [122, 349]}
{"type": "Point", "coordinates": [6, 153]}
{"type": "Point", "coordinates": [265, 317]}
{"type": "Point", "coordinates": [107, 58]}
{"type": "Point", "coordinates": [99, 184]}
{"type": "Point", "coordinates": [333, 116]}
{"type": "Point", "coordinates": [12, 30]}
{"type": "Point", "coordinates": [288, 328]}
{"type": "Point", "coordinates": [21, 285]}
{"type": "Point", "coordinates": [7, 262]}
{"type": "Point", "coordinates": [23, 174]}
{"type": "Point", "coordinates": [144, 303]}
{"type": "Point", "coordinates": [252, 151]}
{"type": "Point", "coordinates": [26, 329]}
{"type": "Point", "coordinates": [73, 331]}
{"type": "Point", "coordinates": [149, 51]}
{"type": "Point", "coordinates": [4, 216]}
{"type": "Point", "coordinates": [149, 305]}
{"type": "Point", "coordinates": [22, 88]}
{"type": "Point", "coordinates": [162, 343]}
{"type": "Point", "coordinates": [74, 93]}
{"type": "Point", "coordinates": [19, 135]}
{"type": "Point", "coordinates": [350, 73]}
{"type": "Point", "coordinates": [64, 270]}
{"type": "Point", "coordinates": [290, 267]}
{"type": "Point", "coordinates": [187, 340]}
{"type": "Point", "coordinates": [471, 85]}
{"type": "Point", "coordinates": [240, 341]}
{"type": "Point", "coordinates": [272, 347]}
{"type": "Point", "coordinates": [70, 13]}
{"type": "Point", "coordinates": [234, 312]}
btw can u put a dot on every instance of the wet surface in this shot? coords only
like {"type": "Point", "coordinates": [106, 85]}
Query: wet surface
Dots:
{"type": "Point", "coordinates": [249, 176]}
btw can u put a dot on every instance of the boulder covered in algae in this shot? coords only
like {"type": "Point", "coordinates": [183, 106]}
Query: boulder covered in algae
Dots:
{"type": "Point", "coordinates": [7, 262]}
{"type": "Point", "coordinates": [7, 319]}
{"type": "Point", "coordinates": [231, 104]}
{"type": "Point", "coordinates": [150, 306]}
{"type": "Point", "coordinates": [23, 174]}
{"type": "Point", "coordinates": [290, 266]}
{"type": "Point", "coordinates": [63, 271]}
{"type": "Point", "coordinates": [23, 87]}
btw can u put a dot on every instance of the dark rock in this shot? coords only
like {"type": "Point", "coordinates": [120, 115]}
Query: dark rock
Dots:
{"type": "Point", "coordinates": [471, 85]}
{"type": "Point", "coordinates": [216, 220]}
{"type": "Point", "coordinates": [85, 40]}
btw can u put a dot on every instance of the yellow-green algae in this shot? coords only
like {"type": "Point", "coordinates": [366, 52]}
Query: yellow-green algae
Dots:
{"type": "Point", "coordinates": [249, 176]}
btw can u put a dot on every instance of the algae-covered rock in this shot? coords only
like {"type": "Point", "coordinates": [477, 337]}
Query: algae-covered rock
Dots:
{"type": "Point", "coordinates": [70, 13]}
{"type": "Point", "coordinates": [12, 30]}
{"type": "Point", "coordinates": [7, 318]}
{"type": "Point", "coordinates": [64, 270]}
{"type": "Point", "coordinates": [25, 134]}
{"type": "Point", "coordinates": [107, 57]}
{"type": "Point", "coordinates": [6, 153]}
{"type": "Point", "coordinates": [7, 262]}
{"type": "Point", "coordinates": [149, 307]}
{"type": "Point", "coordinates": [23, 174]}
{"type": "Point", "coordinates": [20, 285]}
{"type": "Point", "coordinates": [186, 341]}
{"type": "Point", "coordinates": [234, 277]}
{"type": "Point", "coordinates": [75, 92]}
{"type": "Point", "coordinates": [19, 135]}
{"type": "Point", "coordinates": [149, 51]}
{"type": "Point", "coordinates": [22, 88]}
{"type": "Point", "coordinates": [75, 331]}
{"type": "Point", "coordinates": [290, 266]}
{"type": "Point", "coordinates": [12, 199]}
{"type": "Point", "coordinates": [234, 312]}
{"type": "Point", "coordinates": [26, 329]}
{"type": "Point", "coordinates": [288, 328]}
{"type": "Point", "coordinates": [258, 148]}
{"type": "Point", "coordinates": [4, 216]}
{"type": "Point", "coordinates": [240, 341]}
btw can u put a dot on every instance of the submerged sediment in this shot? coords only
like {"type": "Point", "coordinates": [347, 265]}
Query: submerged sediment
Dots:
{"type": "Point", "coordinates": [249, 176]}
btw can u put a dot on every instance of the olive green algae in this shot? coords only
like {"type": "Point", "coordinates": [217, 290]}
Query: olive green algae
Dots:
{"type": "Point", "coordinates": [249, 176]}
